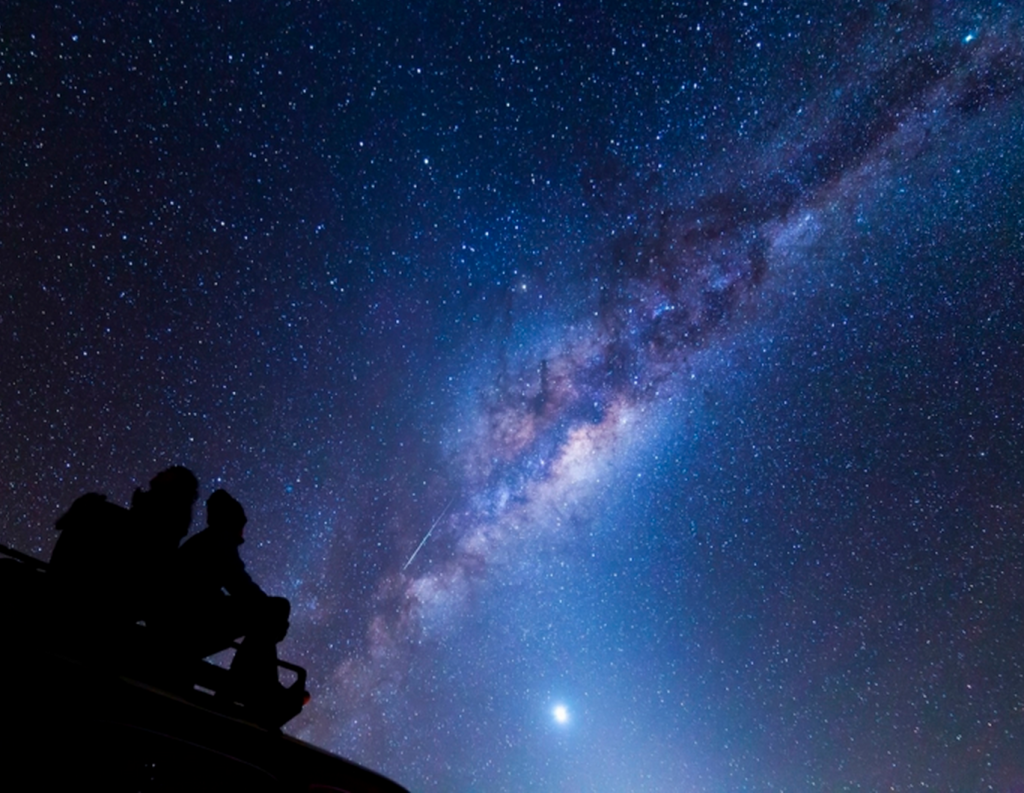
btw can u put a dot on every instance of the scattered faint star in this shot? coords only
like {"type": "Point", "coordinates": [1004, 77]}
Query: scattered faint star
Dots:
{"type": "Point", "coordinates": [724, 402]}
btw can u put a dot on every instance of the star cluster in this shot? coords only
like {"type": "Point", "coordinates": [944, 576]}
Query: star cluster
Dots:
{"type": "Point", "coordinates": [626, 396]}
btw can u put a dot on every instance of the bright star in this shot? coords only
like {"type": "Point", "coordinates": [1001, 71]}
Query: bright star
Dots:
{"type": "Point", "coordinates": [561, 714]}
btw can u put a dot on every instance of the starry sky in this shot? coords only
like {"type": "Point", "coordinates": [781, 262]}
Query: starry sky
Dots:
{"type": "Point", "coordinates": [627, 395]}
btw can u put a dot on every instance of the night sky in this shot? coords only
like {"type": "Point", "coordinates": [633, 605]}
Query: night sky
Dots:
{"type": "Point", "coordinates": [628, 396]}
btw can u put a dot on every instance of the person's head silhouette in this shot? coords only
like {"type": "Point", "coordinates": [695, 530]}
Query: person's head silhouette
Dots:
{"type": "Point", "coordinates": [224, 513]}
{"type": "Point", "coordinates": [167, 505]}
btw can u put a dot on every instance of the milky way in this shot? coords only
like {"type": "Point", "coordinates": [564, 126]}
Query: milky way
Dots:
{"type": "Point", "coordinates": [626, 398]}
{"type": "Point", "coordinates": [673, 282]}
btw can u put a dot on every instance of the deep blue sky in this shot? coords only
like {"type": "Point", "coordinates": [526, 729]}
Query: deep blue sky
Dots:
{"type": "Point", "coordinates": [694, 330]}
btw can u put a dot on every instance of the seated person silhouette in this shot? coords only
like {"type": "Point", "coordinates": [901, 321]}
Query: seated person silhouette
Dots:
{"type": "Point", "coordinates": [213, 601]}
{"type": "Point", "coordinates": [110, 564]}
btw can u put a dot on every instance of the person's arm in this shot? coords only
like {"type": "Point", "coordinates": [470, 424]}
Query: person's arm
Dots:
{"type": "Point", "coordinates": [238, 582]}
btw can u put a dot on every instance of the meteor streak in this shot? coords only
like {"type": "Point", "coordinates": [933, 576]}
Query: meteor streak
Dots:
{"type": "Point", "coordinates": [429, 532]}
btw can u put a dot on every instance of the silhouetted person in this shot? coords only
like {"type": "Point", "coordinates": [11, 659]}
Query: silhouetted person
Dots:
{"type": "Point", "coordinates": [213, 601]}
{"type": "Point", "coordinates": [110, 564]}
{"type": "Point", "coordinates": [162, 515]}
